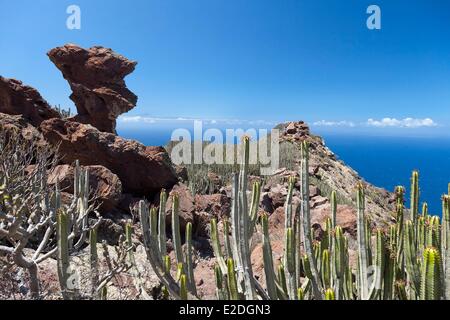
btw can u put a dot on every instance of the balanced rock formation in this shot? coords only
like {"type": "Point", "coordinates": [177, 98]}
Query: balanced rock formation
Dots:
{"type": "Point", "coordinates": [96, 77]}
{"type": "Point", "coordinates": [19, 99]}
{"type": "Point", "coordinates": [142, 170]}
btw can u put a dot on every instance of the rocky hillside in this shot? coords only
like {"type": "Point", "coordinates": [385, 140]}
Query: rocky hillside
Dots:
{"type": "Point", "coordinates": [122, 172]}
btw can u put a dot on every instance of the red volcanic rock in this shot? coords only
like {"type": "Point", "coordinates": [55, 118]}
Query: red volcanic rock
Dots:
{"type": "Point", "coordinates": [208, 207]}
{"type": "Point", "coordinates": [345, 217]}
{"type": "Point", "coordinates": [19, 99]}
{"type": "Point", "coordinates": [142, 170]}
{"type": "Point", "coordinates": [103, 183]}
{"type": "Point", "coordinates": [96, 77]}
{"type": "Point", "coordinates": [186, 205]}
{"type": "Point", "coordinates": [20, 125]}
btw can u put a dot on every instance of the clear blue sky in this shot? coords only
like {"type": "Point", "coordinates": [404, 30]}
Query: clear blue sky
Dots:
{"type": "Point", "coordinates": [253, 59]}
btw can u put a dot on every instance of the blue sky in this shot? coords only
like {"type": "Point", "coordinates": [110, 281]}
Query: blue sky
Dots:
{"type": "Point", "coordinates": [253, 60]}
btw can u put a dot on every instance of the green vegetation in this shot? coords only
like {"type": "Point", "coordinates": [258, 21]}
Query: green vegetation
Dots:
{"type": "Point", "coordinates": [408, 260]}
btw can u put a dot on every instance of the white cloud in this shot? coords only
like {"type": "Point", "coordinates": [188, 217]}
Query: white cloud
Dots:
{"type": "Point", "coordinates": [325, 123]}
{"type": "Point", "coordinates": [402, 123]}
{"type": "Point", "coordinates": [148, 119]}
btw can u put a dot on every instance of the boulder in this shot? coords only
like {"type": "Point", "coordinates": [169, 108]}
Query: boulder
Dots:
{"type": "Point", "coordinates": [96, 77]}
{"type": "Point", "coordinates": [19, 99]}
{"type": "Point", "coordinates": [142, 170]}
{"type": "Point", "coordinates": [345, 217]}
{"type": "Point", "coordinates": [19, 124]}
{"type": "Point", "coordinates": [103, 183]}
{"type": "Point", "coordinates": [186, 207]}
{"type": "Point", "coordinates": [208, 207]}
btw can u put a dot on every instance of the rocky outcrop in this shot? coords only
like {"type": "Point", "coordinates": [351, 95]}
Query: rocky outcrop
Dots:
{"type": "Point", "coordinates": [96, 77]}
{"type": "Point", "coordinates": [20, 124]}
{"type": "Point", "coordinates": [142, 170]}
{"type": "Point", "coordinates": [207, 207]}
{"type": "Point", "coordinates": [105, 185]}
{"type": "Point", "coordinates": [19, 99]}
{"type": "Point", "coordinates": [293, 131]}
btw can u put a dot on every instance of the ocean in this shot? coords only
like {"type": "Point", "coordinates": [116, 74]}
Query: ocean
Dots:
{"type": "Point", "coordinates": [383, 161]}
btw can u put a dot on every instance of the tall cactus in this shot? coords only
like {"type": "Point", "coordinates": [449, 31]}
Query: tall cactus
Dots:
{"type": "Point", "coordinates": [268, 259]}
{"type": "Point", "coordinates": [333, 201]}
{"type": "Point", "coordinates": [306, 217]}
{"type": "Point", "coordinates": [445, 247]}
{"type": "Point", "coordinates": [62, 227]}
{"type": "Point", "coordinates": [189, 259]}
{"type": "Point", "coordinates": [162, 223]}
{"type": "Point", "coordinates": [430, 278]}
{"type": "Point", "coordinates": [216, 246]}
{"type": "Point", "coordinates": [362, 245]}
{"type": "Point", "coordinates": [176, 229]}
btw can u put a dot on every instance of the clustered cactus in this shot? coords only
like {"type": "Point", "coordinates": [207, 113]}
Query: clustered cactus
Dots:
{"type": "Point", "coordinates": [32, 214]}
{"type": "Point", "coordinates": [409, 260]}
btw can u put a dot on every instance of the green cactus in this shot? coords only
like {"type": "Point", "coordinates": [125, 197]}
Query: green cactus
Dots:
{"type": "Point", "coordinates": [62, 229]}
{"type": "Point", "coordinates": [333, 200]}
{"type": "Point", "coordinates": [162, 223]}
{"type": "Point", "coordinates": [306, 215]}
{"type": "Point", "coordinates": [445, 246]}
{"type": "Point", "coordinates": [283, 289]}
{"type": "Point", "coordinates": [216, 246]}
{"type": "Point", "coordinates": [325, 268]}
{"type": "Point", "coordinates": [362, 244]}
{"type": "Point", "coordinates": [430, 288]}
{"type": "Point", "coordinates": [290, 263]}
{"type": "Point", "coordinates": [221, 293]}
{"type": "Point", "coordinates": [232, 281]}
{"type": "Point", "coordinates": [176, 229]}
{"type": "Point", "coordinates": [339, 261]}
{"type": "Point", "coordinates": [189, 259]}
{"type": "Point", "coordinates": [329, 294]}
{"type": "Point", "coordinates": [414, 197]}
{"type": "Point", "coordinates": [93, 258]}
{"type": "Point", "coordinates": [268, 259]}
{"type": "Point", "coordinates": [183, 287]}
{"type": "Point", "coordinates": [300, 294]}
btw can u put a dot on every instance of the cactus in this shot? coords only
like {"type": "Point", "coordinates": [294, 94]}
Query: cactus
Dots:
{"type": "Point", "coordinates": [289, 253]}
{"type": "Point", "coordinates": [183, 287]}
{"type": "Point", "coordinates": [161, 266]}
{"type": "Point", "coordinates": [329, 294]}
{"type": "Point", "coordinates": [162, 222]}
{"type": "Point", "coordinates": [333, 200]}
{"type": "Point", "coordinates": [62, 227]}
{"type": "Point", "coordinates": [254, 206]}
{"type": "Point", "coordinates": [221, 293]}
{"type": "Point", "coordinates": [300, 294]}
{"type": "Point", "coordinates": [362, 245]}
{"type": "Point", "coordinates": [306, 216]}
{"type": "Point", "coordinates": [380, 256]}
{"type": "Point", "coordinates": [93, 257]}
{"type": "Point", "coordinates": [216, 246]}
{"type": "Point", "coordinates": [232, 281]}
{"type": "Point", "coordinates": [189, 259]}
{"type": "Point", "coordinates": [414, 209]}
{"type": "Point", "coordinates": [445, 247]}
{"type": "Point", "coordinates": [339, 261]}
{"type": "Point", "coordinates": [325, 269]}
{"type": "Point", "coordinates": [268, 259]}
{"type": "Point", "coordinates": [430, 288]}
{"type": "Point", "coordinates": [176, 229]}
